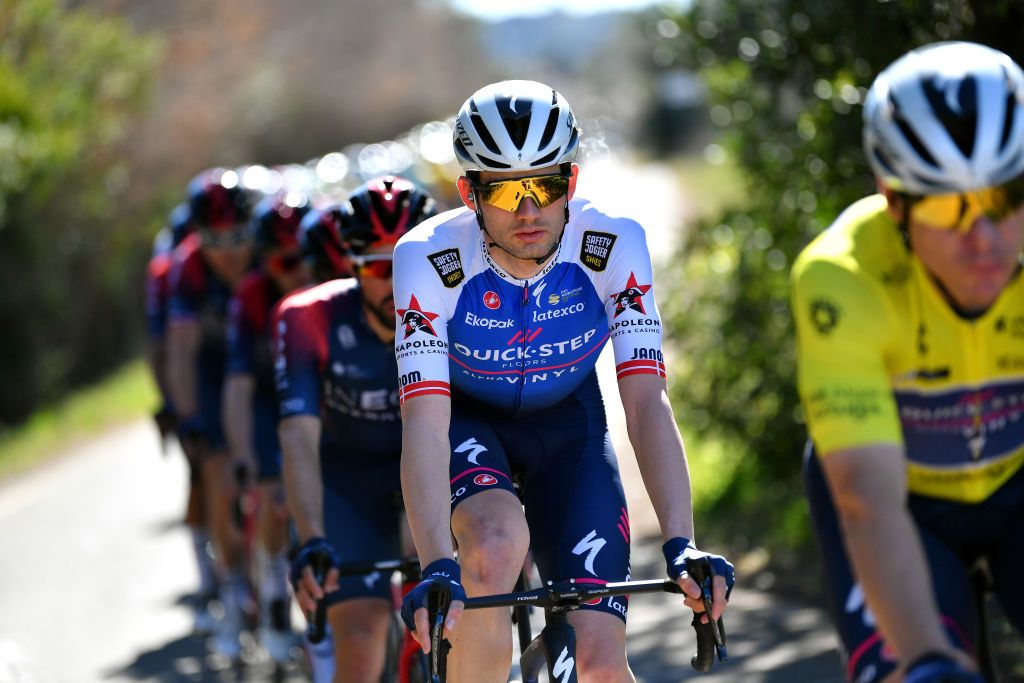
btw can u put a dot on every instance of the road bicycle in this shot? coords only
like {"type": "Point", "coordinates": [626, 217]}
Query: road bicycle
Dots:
{"type": "Point", "coordinates": [554, 650]}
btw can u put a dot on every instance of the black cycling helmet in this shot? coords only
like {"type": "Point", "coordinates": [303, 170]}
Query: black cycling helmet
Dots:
{"type": "Point", "coordinates": [381, 210]}
{"type": "Point", "coordinates": [218, 201]}
{"type": "Point", "coordinates": [275, 222]}
{"type": "Point", "coordinates": [320, 240]}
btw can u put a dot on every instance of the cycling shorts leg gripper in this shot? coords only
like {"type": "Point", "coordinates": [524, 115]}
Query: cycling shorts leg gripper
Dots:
{"type": "Point", "coordinates": [867, 657]}
{"type": "Point", "coordinates": [361, 520]}
{"type": "Point", "coordinates": [478, 460]}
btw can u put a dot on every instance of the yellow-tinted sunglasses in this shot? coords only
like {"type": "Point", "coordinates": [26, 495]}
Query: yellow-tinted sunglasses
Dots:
{"type": "Point", "coordinates": [958, 211]}
{"type": "Point", "coordinates": [509, 194]}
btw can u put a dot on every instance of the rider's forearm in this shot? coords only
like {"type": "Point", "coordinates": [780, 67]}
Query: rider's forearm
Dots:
{"type": "Point", "coordinates": [182, 372]}
{"type": "Point", "coordinates": [889, 562]}
{"type": "Point", "coordinates": [660, 456]}
{"type": "Point", "coordinates": [300, 444]}
{"type": "Point", "coordinates": [238, 392]}
{"type": "Point", "coordinates": [425, 489]}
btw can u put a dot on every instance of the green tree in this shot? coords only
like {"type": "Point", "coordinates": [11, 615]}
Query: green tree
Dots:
{"type": "Point", "coordinates": [70, 84]}
{"type": "Point", "coordinates": [786, 80]}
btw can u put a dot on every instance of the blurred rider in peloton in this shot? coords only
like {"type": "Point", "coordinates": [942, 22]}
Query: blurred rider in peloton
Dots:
{"type": "Point", "coordinates": [250, 405]}
{"type": "Point", "coordinates": [208, 268]}
{"type": "Point", "coordinates": [340, 425]}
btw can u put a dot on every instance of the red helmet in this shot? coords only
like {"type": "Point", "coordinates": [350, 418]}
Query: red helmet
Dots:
{"type": "Point", "coordinates": [381, 211]}
{"type": "Point", "coordinates": [321, 243]}
{"type": "Point", "coordinates": [218, 201]}
{"type": "Point", "coordinates": [275, 223]}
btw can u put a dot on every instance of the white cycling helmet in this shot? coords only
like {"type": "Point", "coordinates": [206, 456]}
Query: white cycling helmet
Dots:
{"type": "Point", "coordinates": [946, 117]}
{"type": "Point", "coordinates": [515, 126]}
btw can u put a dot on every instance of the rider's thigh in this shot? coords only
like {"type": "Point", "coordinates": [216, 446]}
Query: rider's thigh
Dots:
{"type": "Point", "coordinates": [492, 536]}
{"type": "Point", "coordinates": [1006, 561]}
{"type": "Point", "coordinates": [600, 646]}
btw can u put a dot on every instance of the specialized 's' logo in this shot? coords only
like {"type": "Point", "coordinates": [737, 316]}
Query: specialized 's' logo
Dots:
{"type": "Point", "coordinates": [631, 298]}
{"type": "Point", "coordinates": [472, 448]}
{"type": "Point", "coordinates": [563, 666]}
{"type": "Point", "coordinates": [492, 300]}
{"type": "Point", "coordinates": [591, 545]}
{"type": "Point", "coordinates": [415, 319]}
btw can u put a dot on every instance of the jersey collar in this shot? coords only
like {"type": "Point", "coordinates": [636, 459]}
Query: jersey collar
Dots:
{"type": "Point", "coordinates": [508, 277]}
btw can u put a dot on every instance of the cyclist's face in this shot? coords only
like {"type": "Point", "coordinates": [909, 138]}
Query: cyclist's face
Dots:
{"type": "Point", "coordinates": [229, 261]}
{"type": "Point", "coordinates": [530, 231]}
{"type": "Point", "coordinates": [975, 265]}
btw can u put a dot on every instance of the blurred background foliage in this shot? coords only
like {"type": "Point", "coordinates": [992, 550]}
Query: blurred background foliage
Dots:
{"type": "Point", "coordinates": [785, 80]}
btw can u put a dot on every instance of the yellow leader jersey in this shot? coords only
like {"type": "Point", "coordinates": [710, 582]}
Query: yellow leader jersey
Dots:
{"type": "Point", "coordinates": [883, 358]}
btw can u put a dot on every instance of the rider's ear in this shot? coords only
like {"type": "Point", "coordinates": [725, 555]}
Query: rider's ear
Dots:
{"type": "Point", "coordinates": [466, 192]}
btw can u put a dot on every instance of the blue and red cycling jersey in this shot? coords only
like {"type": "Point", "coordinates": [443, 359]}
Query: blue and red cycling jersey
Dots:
{"type": "Point", "coordinates": [248, 333]}
{"type": "Point", "coordinates": [196, 293]}
{"type": "Point", "coordinates": [330, 364]}
{"type": "Point", "coordinates": [522, 345]}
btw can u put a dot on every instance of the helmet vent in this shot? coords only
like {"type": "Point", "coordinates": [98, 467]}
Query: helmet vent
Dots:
{"type": "Point", "coordinates": [492, 163]}
{"type": "Point", "coordinates": [547, 158]}
{"type": "Point", "coordinates": [1008, 118]}
{"type": "Point", "coordinates": [956, 107]}
{"type": "Point", "coordinates": [485, 135]}
{"type": "Point", "coordinates": [914, 141]}
{"type": "Point", "coordinates": [549, 129]}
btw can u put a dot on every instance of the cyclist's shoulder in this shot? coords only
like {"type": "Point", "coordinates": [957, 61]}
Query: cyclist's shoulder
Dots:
{"type": "Point", "coordinates": [159, 266]}
{"type": "Point", "coordinates": [862, 245]}
{"type": "Point", "coordinates": [456, 228]}
{"type": "Point", "coordinates": [594, 235]}
{"type": "Point", "coordinates": [317, 297]}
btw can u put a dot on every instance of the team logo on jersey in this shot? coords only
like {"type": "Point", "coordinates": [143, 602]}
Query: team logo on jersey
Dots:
{"type": "Point", "coordinates": [631, 298]}
{"type": "Point", "coordinates": [485, 480]}
{"type": "Point", "coordinates": [415, 319]}
{"type": "Point", "coordinates": [596, 249]}
{"type": "Point", "coordinates": [824, 316]}
{"type": "Point", "coordinates": [492, 300]}
{"type": "Point", "coordinates": [448, 265]}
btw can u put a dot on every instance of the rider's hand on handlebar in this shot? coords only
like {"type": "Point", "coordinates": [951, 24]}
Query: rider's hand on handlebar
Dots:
{"type": "Point", "coordinates": [414, 606]}
{"type": "Point", "coordinates": [938, 668]}
{"type": "Point", "coordinates": [307, 589]}
{"type": "Point", "coordinates": [677, 550]}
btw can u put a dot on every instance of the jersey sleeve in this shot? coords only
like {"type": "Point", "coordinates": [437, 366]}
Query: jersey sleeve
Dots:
{"type": "Point", "coordinates": [842, 331]}
{"type": "Point", "coordinates": [421, 326]}
{"type": "Point", "coordinates": [627, 290]}
{"type": "Point", "coordinates": [186, 287]}
{"type": "Point", "coordinates": [300, 355]}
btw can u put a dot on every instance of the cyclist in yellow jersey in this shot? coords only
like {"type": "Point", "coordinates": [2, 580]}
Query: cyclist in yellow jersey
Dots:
{"type": "Point", "coordinates": [910, 321]}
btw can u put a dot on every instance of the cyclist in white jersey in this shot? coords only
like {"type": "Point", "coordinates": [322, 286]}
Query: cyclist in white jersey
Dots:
{"type": "Point", "coordinates": [503, 307]}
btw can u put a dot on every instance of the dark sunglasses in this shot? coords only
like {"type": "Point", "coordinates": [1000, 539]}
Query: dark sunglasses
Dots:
{"type": "Point", "coordinates": [372, 265]}
{"type": "Point", "coordinates": [509, 194]}
{"type": "Point", "coordinates": [958, 211]}
{"type": "Point", "coordinates": [223, 239]}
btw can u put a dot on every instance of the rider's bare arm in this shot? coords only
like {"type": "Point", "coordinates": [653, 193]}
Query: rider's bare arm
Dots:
{"type": "Point", "coordinates": [425, 489]}
{"type": "Point", "coordinates": [659, 452]}
{"type": "Point", "coordinates": [300, 444]}
{"type": "Point", "coordinates": [238, 393]}
{"type": "Point", "coordinates": [183, 338]}
{"type": "Point", "coordinates": [869, 486]}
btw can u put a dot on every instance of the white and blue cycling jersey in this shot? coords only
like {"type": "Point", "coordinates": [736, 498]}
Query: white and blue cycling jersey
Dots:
{"type": "Point", "coordinates": [465, 324]}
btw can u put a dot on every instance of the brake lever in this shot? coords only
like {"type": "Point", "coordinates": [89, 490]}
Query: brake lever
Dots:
{"type": "Point", "coordinates": [700, 570]}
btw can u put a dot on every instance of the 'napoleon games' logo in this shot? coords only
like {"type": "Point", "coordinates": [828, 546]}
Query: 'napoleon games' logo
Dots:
{"type": "Point", "coordinates": [415, 318]}
{"type": "Point", "coordinates": [630, 298]}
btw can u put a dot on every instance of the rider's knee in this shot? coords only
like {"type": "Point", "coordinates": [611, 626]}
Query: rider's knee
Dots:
{"type": "Point", "coordinates": [601, 664]}
{"type": "Point", "coordinates": [491, 554]}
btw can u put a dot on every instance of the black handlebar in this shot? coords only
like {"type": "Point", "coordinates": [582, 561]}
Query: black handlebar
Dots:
{"type": "Point", "coordinates": [710, 635]}
{"type": "Point", "coordinates": [317, 627]}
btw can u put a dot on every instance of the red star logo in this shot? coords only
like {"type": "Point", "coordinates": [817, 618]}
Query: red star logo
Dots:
{"type": "Point", "coordinates": [414, 318]}
{"type": "Point", "coordinates": [631, 297]}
